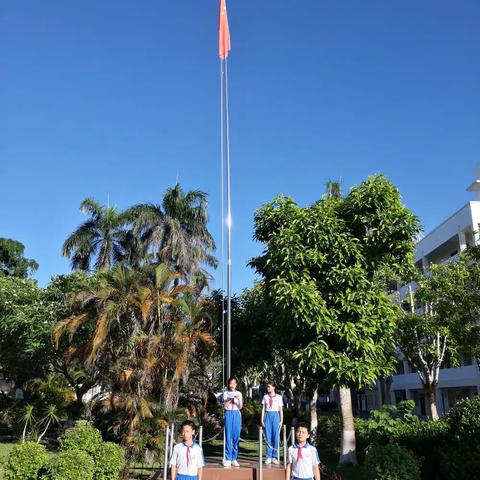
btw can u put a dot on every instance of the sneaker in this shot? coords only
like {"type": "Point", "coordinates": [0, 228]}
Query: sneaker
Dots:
{"type": "Point", "coordinates": [275, 461]}
{"type": "Point", "coordinates": [268, 461]}
{"type": "Point", "coordinates": [227, 463]}
{"type": "Point", "coordinates": [235, 463]}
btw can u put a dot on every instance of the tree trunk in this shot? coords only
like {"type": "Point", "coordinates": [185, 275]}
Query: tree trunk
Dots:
{"type": "Point", "coordinates": [24, 432]}
{"type": "Point", "coordinates": [385, 390]}
{"type": "Point", "coordinates": [431, 400]}
{"type": "Point", "coordinates": [348, 453]}
{"type": "Point", "coordinates": [296, 403]}
{"type": "Point", "coordinates": [44, 432]}
{"type": "Point", "coordinates": [313, 415]}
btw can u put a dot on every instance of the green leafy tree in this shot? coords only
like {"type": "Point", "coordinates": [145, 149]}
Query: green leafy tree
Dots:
{"type": "Point", "coordinates": [13, 261]}
{"type": "Point", "coordinates": [324, 265]}
{"type": "Point", "coordinates": [28, 315]}
{"type": "Point", "coordinates": [445, 324]}
{"type": "Point", "coordinates": [101, 241]}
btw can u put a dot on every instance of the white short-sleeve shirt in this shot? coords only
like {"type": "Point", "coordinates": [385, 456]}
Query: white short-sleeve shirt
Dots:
{"type": "Point", "coordinates": [187, 460]}
{"type": "Point", "coordinates": [237, 398]}
{"type": "Point", "coordinates": [303, 467]}
{"type": "Point", "coordinates": [277, 402]}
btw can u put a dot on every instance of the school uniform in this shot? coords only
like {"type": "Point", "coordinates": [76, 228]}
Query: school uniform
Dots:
{"type": "Point", "coordinates": [272, 405]}
{"type": "Point", "coordinates": [233, 423]}
{"type": "Point", "coordinates": [303, 459]}
{"type": "Point", "coordinates": [188, 459]}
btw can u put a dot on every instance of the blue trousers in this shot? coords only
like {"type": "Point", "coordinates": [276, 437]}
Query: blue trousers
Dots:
{"type": "Point", "coordinates": [233, 425]}
{"type": "Point", "coordinates": [272, 432]}
{"type": "Point", "coordinates": [186, 477]}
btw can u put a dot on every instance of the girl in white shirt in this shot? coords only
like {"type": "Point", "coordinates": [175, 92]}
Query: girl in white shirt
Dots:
{"type": "Point", "coordinates": [272, 420]}
{"type": "Point", "coordinates": [232, 404]}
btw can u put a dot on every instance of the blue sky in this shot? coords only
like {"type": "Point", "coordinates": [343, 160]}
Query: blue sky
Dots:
{"type": "Point", "coordinates": [118, 98]}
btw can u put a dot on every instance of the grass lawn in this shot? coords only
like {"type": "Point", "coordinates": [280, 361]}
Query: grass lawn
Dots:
{"type": "Point", "coordinates": [5, 449]}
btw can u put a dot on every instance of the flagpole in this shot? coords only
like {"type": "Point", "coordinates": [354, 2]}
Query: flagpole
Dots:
{"type": "Point", "coordinates": [224, 48]}
{"type": "Point", "coordinates": [222, 183]}
{"type": "Point", "coordinates": [229, 230]}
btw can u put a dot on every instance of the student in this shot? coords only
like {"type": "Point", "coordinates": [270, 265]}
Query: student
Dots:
{"type": "Point", "coordinates": [303, 460]}
{"type": "Point", "coordinates": [272, 420]}
{"type": "Point", "coordinates": [232, 405]}
{"type": "Point", "coordinates": [187, 458]}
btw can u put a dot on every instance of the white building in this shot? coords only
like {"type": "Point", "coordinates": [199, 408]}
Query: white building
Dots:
{"type": "Point", "coordinates": [440, 246]}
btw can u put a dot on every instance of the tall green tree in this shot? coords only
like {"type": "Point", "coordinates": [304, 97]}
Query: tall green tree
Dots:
{"type": "Point", "coordinates": [176, 232]}
{"type": "Point", "coordinates": [28, 315]}
{"type": "Point", "coordinates": [101, 241]}
{"type": "Point", "coordinates": [323, 265]}
{"type": "Point", "coordinates": [440, 320]}
{"type": "Point", "coordinates": [146, 332]}
{"type": "Point", "coordinates": [13, 261]}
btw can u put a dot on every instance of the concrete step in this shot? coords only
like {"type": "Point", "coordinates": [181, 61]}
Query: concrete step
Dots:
{"type": "Point", "coordinates": [246, 471]}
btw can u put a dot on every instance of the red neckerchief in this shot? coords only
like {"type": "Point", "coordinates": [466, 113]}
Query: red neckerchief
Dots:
{"type": "Point", "coordinates": [188, 453]}
{"type": "Point", "coordinates": [299, 454]}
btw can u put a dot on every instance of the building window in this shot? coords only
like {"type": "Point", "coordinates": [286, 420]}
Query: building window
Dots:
{"type": "Point", "coordinates": [400, 368]}
{"type": "Point", "coordinates": [467, 360]}
{"type": "Point", "coordinates": [400, 396]}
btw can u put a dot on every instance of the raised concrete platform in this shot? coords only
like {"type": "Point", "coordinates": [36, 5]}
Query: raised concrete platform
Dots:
{"type": "Point", "coordinates": [246, 471]}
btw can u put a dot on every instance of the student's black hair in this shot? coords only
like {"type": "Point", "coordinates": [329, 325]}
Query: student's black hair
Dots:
{"type": "Point", "coordinates": [272, 383]}
{"type": "Point", "coordinates": [302, 425]}
{"type": "Point", "coordinates": [188, 423]}
{"type": "Point", "coordinates": [230, 379]}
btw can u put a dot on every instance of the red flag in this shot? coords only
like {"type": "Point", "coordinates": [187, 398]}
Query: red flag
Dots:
{"type": "Point", "coordinates": [224, 45]}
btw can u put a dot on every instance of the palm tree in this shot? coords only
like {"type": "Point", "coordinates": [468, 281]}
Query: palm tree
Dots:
{"type": "Point", "coordinates": [51, 416]}
{"type": "Point", "coordinates": [100, 241]}
{"type": "Point", "coordinates": [148, 325]}
{"type": "Point", "coordinates": [176, 232]}
{"type": "Point", "coordinates": [334, 189]}
{"type": "Point", "coordinates": [192, 343]}
{"type": "Point", "coordinates": [28, 417]}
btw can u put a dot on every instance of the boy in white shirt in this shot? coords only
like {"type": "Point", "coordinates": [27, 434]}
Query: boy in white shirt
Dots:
{"type": "Point", "coordinates": [187, 458]}
{"type": "Point", "coordinates": [272, 419]}
{"type": "Point", "coordinates": [303, 460]}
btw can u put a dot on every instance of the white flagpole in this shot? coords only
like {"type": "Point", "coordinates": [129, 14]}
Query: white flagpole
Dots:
{"type": "Point", "coordinates": [222, 182]}
{"type": "Point", "coordinates": [224, 47]}
{"type": "Point", "coordinates": [229, 229]}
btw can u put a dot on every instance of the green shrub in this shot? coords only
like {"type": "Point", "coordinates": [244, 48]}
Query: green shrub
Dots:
{"type": "Point", "coordinates": [426, 440]}
{"type": "Point", "coordinates": [251, 416]}
{"type": "Point", "coordinates": [464, 420]}
{"type": "Point", "coordinates": [109, 461]}
{"type": "Point", "coordinates": [83, 436]}
{"type": "Point", "coordinates": [391, 462]}
{"type": "Point", "coordinates": [25, 462]}
{"type": "Point", "coordinates": [328, 432]}
{"type": "Point", "coordinates": [459, 462]}
{"type": "Point", "coordinates": [71, 465]}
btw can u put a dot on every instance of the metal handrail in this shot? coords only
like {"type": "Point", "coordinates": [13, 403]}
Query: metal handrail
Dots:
{"type": "Point", "coordinates": [165, 466]}
{"type": "Point", "coordinates": [260, 453]}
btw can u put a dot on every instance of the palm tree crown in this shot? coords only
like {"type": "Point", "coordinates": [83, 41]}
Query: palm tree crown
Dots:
{"type": "Point", "coordinates": [176, 232]}
{"type": "Point", "coordinates": [100, 241]}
